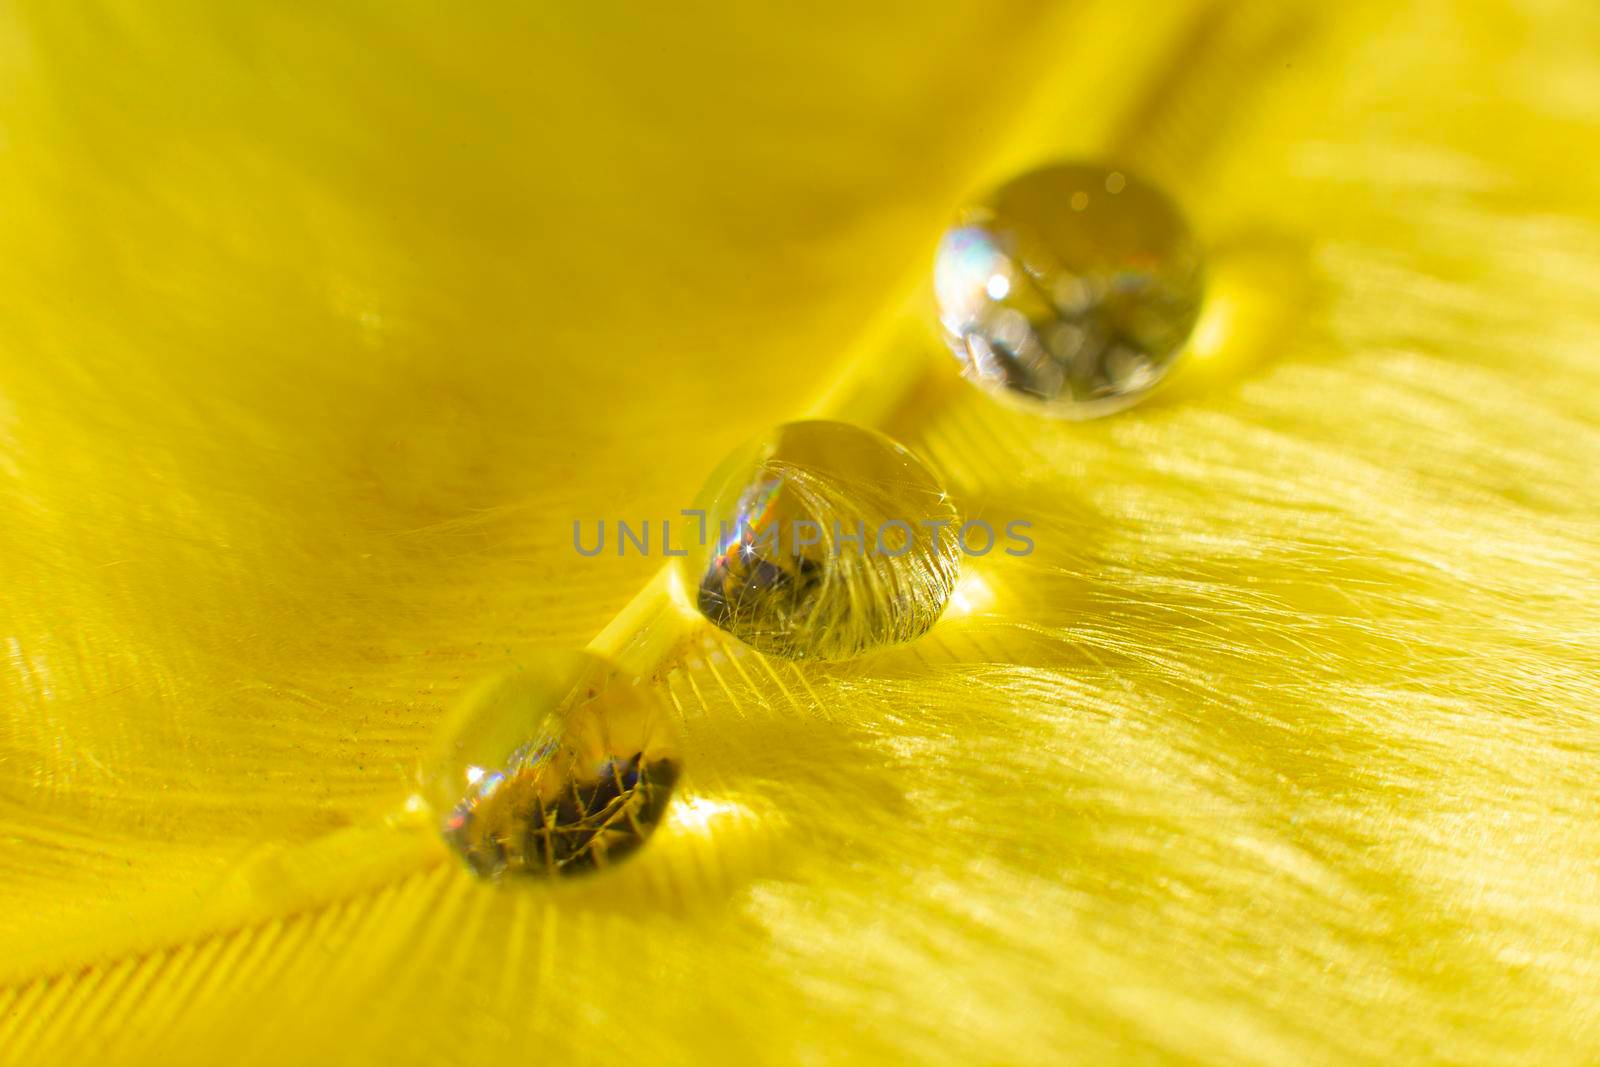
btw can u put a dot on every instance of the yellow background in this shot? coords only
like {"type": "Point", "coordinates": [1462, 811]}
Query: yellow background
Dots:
{"type": "Point", "coordinates": [319, 324]}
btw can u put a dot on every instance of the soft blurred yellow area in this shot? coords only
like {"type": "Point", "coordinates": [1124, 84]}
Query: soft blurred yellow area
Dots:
{"type": "Point", "coordinates": [321, 323]}
{"type": "Point", "coordinates": [325, 325]}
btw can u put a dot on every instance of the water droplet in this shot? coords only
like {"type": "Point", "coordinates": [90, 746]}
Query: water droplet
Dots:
{"type": "Point", "coordinates": [824, 541]}
{"type": "Point", "coordinates": [557, 767]}
{"type": "Point", "coordinates": [1097, 251]}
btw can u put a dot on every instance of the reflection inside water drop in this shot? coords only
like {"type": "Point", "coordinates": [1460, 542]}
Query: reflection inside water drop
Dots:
{"type": "Point", "coordinates": [557, 767]}
{"type": "Point", "coordinates": [824, 541]}
{"type": "Point", "coordinates": [1071, 289]}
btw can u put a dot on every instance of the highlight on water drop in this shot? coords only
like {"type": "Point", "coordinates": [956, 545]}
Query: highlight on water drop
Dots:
{"type": "Point", "coordinates": [559, 766]}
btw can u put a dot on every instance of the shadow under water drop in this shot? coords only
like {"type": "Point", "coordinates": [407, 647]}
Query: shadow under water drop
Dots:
{"type": "Point", "coordinates": [1258, 289]}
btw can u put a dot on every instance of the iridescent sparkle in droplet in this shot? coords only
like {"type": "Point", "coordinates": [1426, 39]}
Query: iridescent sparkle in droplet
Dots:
{"type": "Point", "coordinates": [555, 768]}
{"type": "Point", "coordinates": [1070, 289]}
{"type": "Point", "coordinates": [824, 541]}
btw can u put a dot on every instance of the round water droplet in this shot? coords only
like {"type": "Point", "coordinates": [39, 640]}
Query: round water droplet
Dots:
{"type": "Point", "coordinates": [1070, 289]}
{"type": "Point", "coordinates": [558, 767]}
{"type": "Point", "coordinates": [824, 541]}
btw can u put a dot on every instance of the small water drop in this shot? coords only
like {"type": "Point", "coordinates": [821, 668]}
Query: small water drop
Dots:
{"type": "Point", "coordinates": [824, 541]}
{"type": "Point", "coordinates": [557, 767]}
{"type": "Point", "coordinates": [1122, 271]}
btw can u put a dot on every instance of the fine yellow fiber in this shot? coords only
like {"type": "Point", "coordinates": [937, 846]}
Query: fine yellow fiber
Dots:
{"type": "Point", "coordinates": [323, 323]}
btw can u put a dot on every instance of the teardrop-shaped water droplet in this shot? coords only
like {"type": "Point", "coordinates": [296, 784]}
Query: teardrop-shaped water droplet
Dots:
{"type": "Point", "coordinates": [1070, 289]}
{"type": "Point", "coordinates": [557, 767]}
{"type": "Point", "coordinates": [824, 541]}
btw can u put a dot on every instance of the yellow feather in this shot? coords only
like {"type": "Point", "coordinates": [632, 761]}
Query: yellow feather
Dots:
{"type": "Point", "coordinates": [322, 324]}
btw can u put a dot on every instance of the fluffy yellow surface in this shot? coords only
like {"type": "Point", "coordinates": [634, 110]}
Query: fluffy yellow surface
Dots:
{"type": "Point", "coordinates": [322, 323]}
